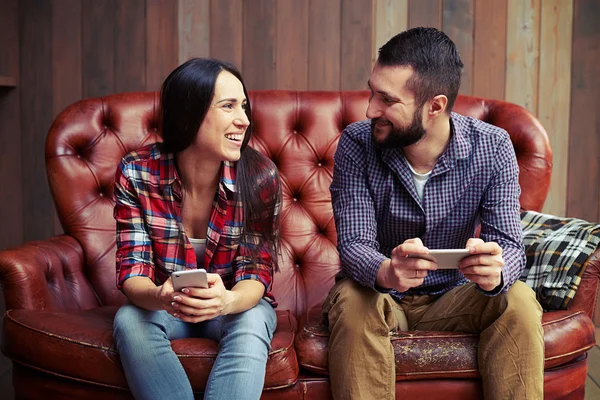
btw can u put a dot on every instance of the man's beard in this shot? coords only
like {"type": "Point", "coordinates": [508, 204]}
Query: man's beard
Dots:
{"type": "Point", "coordinates": [403, 136]}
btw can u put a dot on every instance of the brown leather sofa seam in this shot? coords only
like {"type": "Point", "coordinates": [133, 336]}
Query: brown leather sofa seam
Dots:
{"type": "Point", "coordinates": [570, 316]}
{"type": "Point", "coordinates": [108, 349]}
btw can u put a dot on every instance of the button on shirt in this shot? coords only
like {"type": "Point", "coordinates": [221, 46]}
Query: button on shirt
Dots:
{"type": "Point", "coordinates": [151, 240]}
{"type": "Point", "coordinates": [376, 205]}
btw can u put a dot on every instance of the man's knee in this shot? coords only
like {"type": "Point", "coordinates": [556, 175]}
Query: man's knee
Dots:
{"type": "Point", "coordinates": [522, 301]}
{"type": "Point", "coordinates": [358, 308]}
{"type": "Point", "coordinates": [523, 311]}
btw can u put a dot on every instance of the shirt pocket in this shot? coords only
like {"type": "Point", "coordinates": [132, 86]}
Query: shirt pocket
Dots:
{"type": "Point", "coordinates": [162, 228]}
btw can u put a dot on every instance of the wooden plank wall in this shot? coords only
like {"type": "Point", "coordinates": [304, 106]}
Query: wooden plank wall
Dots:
{"type": "Point", "coordinates": [69, 50]}
{"type": "Point", "coordinates": [541, 54]}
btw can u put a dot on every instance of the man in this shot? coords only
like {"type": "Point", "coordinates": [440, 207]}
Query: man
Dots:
{"type": "Point", "coordinates": [415, 177]}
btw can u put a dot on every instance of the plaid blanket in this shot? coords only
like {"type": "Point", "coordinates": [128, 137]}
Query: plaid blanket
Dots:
{"type": "Point", "coordinates": [556, 250]}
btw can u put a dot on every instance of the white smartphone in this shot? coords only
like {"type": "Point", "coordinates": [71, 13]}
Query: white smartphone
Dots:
{"type": "Point", "coordinates": [446, 258]}
{"type": "Point", "coordinates": [189, 278]}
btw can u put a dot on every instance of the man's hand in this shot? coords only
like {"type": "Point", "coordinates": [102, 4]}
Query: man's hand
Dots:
{"type": "Point", "coordinates": [484, 265]}
{"type": "Point", "coordinates": [199, 304]}
{"type": "Point", "coordinates": [403, 272]}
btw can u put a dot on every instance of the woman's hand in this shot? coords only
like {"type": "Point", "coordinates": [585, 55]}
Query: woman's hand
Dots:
{"type": "Point", "coordinates": [165, 296]}
{"type": "Point", "coordinates": [198, 304]}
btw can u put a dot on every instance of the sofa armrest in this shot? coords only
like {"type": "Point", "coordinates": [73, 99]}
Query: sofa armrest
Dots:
{"type": "Point", "coordinates": [46, 275]}
{"type": "Point", "coordinates": [585, 298]}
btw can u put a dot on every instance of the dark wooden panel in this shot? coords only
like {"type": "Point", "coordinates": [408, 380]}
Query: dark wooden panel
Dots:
{"type": "Point", "coordinates": [291, 55]}
{"type": "Point", "coordinates": [489, 54]}
{"type": "Point", "coordinates": [583, 194]}
{"type": "Point", "coordinates": [66, 54]}
{"type": "Point", "coordinates": [130, 46]}
{"type": "Point", "coordinates": [425, 13]}
{"type": "Point", "coordinates": [98, 35]}
{"type": "Point", "coordinates": [161, 41]}
{"type": "Point", "coordinates": [324, 40]}
{"type": "Point", "coordinates": [11, 198]}
{"type": "Point", "coordinates": [67, 85]}
{"type": "Point", "coordinates": [35, 26]}
{"type": "Point", "coordinates": [226, 31]}
{"type": "Point", "coordinates": [457, 23]}
{"type": "Point", "coordinates": [357, 44]}
{"type": "Point", "coordinates": [259, 44]}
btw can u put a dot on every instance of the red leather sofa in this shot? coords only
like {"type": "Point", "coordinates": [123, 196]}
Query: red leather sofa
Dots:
{"type": "Point", "coordinates": [61, 297]}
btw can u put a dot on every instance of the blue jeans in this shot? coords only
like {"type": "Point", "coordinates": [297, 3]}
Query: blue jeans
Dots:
{"type": "Point", "coordinates": [153, 371]}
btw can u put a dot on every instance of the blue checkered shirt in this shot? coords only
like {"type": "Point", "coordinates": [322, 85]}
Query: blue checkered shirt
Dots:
{"type": "Point", "coordinates": [376, 206]}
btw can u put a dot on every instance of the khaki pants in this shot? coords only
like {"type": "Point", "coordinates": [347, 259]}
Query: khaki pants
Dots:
{"type": "Point", "coordinates": [361, 357]}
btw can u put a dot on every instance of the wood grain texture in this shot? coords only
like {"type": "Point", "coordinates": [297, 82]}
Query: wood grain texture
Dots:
{"type": "Point", "coordinates": [226, 31]}
{"type": "Point", "coordinates": [259, 44]}
{"type": "Point", "coordinates": [66, 54]}
{"type": "Point", "coordinates": [11, 197]}
{"type": "Point", "coordinates": [583, 193]}
{"type": "Point", "coordinates": [35, 25]}
{"type": "Point", "coordinates": [8, 81]}
{"type": "Point", "coordinates": [162, 42]}
{"type": "Point", "coordinates": [489, 49]}
{"type": "Point", "coordinates": [458, 24]}
{"type": "Point", "coordinates": [522, 48]}
{"type": "Point", "coordinates": [425, 13]}
{"type": "Point", "coordinates": [324, 44]}
{"type": "Point", "coordinates": [194, 29]}
{"type": "Point", "coordinates": [391, 18]}
{"type": "Point", "coordinates": [357, 44]}
{"type": "Point", "coordinates": [67, 85]}
{"type": "Point", "coordinates": [98, 40]}
{"type": "Point", "coordinates": [555, 94]}
{"type": "Point", "coordinates": [291, 45]}
{"type": "Point", "coordinates": [130, 49]}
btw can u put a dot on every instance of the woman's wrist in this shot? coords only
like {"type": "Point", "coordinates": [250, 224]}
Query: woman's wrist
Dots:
{"type": "Point", "coordinates": [230, 298]}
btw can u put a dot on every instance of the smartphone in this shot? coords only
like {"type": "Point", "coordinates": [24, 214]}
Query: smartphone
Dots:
{"type": "Point", "coordinates": [446, 258]}
{"type": "Point", "coordinates": [189, 278]}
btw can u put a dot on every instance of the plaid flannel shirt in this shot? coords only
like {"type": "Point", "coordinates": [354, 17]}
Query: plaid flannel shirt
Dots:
{"type": "Point", "coordinates": [151, 240]}
{"type": "Point", "coordinates": [376, 205]}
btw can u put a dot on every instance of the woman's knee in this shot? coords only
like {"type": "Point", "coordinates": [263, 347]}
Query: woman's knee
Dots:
{"type": "Point", "coordinates": [132, 321]}
{"type": "Point", "coordinates": [259, 321]}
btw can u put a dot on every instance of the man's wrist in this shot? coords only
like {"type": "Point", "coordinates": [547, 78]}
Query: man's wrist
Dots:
{"type": "Point", "coordinates": [382, 274]}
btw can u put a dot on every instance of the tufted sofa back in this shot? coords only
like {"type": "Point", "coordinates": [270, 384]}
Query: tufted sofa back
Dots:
{"type": "Point", "coordinates": [299, 131]}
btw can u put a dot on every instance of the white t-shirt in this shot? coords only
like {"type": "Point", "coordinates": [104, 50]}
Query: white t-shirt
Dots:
{"type": "Point", "coordinates": [199, 246]}
{"type": "Point", "coordinates": [420, 180]}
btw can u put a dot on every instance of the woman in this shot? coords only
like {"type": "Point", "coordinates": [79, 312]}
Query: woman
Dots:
{"type": "Point", "coordinates": [201, 199]}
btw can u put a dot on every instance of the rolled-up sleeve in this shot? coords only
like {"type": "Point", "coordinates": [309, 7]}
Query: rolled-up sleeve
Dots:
{"type": "Point", "coordinates": [134, 248]}
{"type": "Point", "coordinates": [255, 258]}
{"type": "Point", "coordinates": [500, 215]}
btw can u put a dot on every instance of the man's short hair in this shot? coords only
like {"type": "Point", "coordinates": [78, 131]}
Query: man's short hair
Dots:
{"type": "Point", "coordinates": [433, 57]}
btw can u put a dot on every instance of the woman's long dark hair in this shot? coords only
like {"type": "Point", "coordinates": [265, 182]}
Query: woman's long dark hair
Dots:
{"type": "Point", "coordinates": [185, 98]}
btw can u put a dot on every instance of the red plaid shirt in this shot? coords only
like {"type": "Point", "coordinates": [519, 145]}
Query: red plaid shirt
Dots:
{"type": "Point", "coordinates": [151, 240]}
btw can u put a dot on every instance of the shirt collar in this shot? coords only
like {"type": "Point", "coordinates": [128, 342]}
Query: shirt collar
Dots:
{"type": "Point", "coordinates": [170, 177]}
{"type": "Point", "coordinates": [459, 146]}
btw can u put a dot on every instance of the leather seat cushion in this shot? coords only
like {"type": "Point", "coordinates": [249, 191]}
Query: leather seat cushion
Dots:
{"type": "Point", "coordinates": [80, 346]}
{"type": "Point", "coordinates": [432, 355]}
